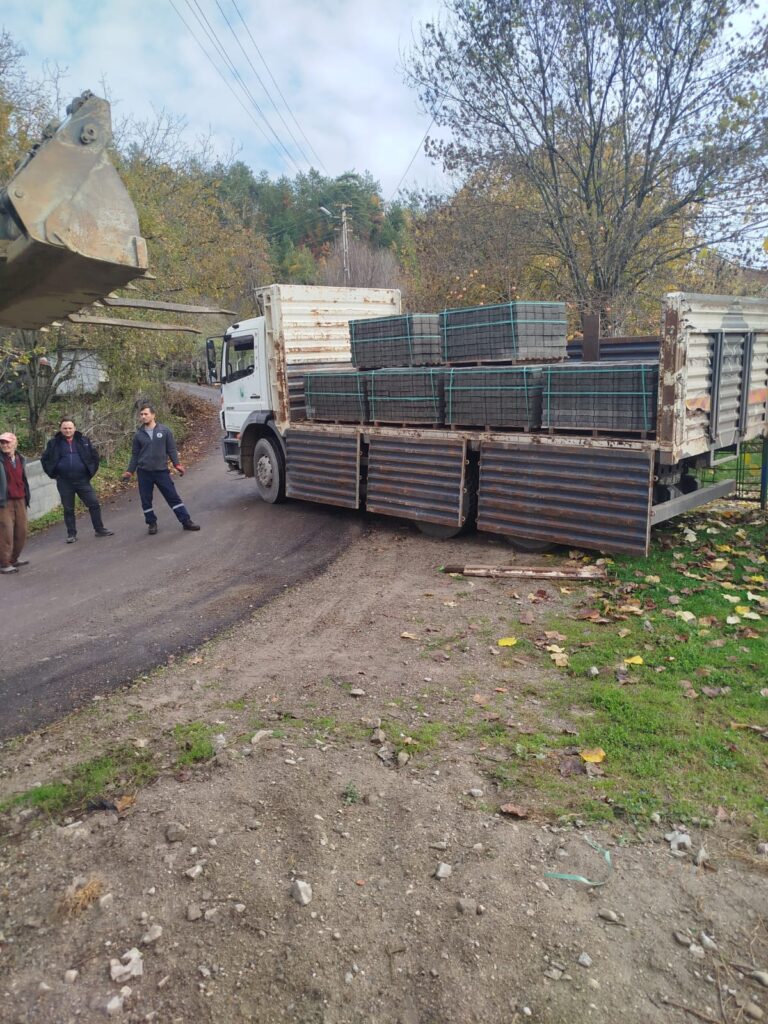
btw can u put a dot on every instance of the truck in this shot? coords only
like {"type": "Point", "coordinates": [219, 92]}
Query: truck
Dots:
{"type": "Point", "coordinates": [537, 489]}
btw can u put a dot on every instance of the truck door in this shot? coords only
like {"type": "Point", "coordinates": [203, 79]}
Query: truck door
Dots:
{"type": "Point", "coordinates": [244, 385]}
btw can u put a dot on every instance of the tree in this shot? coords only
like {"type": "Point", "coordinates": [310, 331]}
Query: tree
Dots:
{"type": "Point", "coordinates": [369, 267]}
{"type": "Point", "coordinates": [639, 125]}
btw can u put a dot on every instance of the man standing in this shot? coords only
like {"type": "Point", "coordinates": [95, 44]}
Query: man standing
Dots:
{"type": "Point", "coordinates": [71, 460]}
{"type": "Point", "coordinates": [14, 502]}
{"type": "Point", "coordinates": [153, 446]}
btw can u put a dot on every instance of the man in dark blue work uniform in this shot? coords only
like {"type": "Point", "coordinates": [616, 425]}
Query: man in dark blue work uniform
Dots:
{"type": "Point", "coordinates": [71, 460]}
{"type": "Point", "coordinates": [153, 446]}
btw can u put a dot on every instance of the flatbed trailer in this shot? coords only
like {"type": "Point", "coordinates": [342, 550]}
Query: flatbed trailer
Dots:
{"type": "Point", "coordinates": [601, 492]}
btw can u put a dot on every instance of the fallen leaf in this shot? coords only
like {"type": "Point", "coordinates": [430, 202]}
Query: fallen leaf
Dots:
{"type": "Point", "coordinates": [717, 564]}
{"type": "Point", "coordinates": [593, 756]}
{"type": "Point", "coordinates": [653, 579]}
{"type": "Point", "coordinates": [514, 810]}
{"type": "Point", "coordinates": [526, 618]}
{"type": "Point", "coordinates": [733, 620]}
{"type": "Point", "coordinates": [197, 660]}
{"type": "Point", "coordinates": [481, 698]}
{"type": "Point", "coordinates": [571, 766]}
{"type": "Point", "coordinates": [741, 609]}
{"type": "Point", "coordinates": [408, 636]}
{"type": "Point", "coordinates": [499, 689]}
{"type": "Point", "coordinates": [715, 691]}
{"type": "Point", "coordinates": [451, 604]}
{"type": "Point", "coordinates": [732, 598]}
{"type": "Point", "coordinates": [750, 615]}
{"type": "Point", "coordinates": [554, 635]}
{"type": "Point", "coordinates": [594, 771]}
{"type": "Point", "coordinates": [122, 803]}
{"type": "Point", "coordinates": [764, 692]}
{"type": "Point", "coordinates": [624, 632]}
{"type": "Point", "coordinates": [507, 641]}
{"type": "Point", "coordinates": [561, 660]}
{"type": "Point", "coordinates": [685, 616]}
{"type": "Point", "coordinates": [634, 660]}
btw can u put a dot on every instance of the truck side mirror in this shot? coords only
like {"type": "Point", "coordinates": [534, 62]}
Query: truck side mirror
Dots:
{"type": "Point", "coordinates": [210, 358]}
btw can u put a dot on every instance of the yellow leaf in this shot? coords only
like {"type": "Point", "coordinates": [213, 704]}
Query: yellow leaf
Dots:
{"type": "Point", "coordinates": [593, 756]}
{"type": "Point", "coordinates": [560, 659]}
{"type": "Point", "coordinates": [758, 578]}
{"type": "Point", "coordinates": [724, 547]}
{"type": "Point", "coordinates": [507, 641]}
{"type": "Point", "coordinates": [717, 564]}
{"type": "Point", "coordinates": [634, 660]}
{"type": "Point", "coordinates": [554, 649]}
{"type": "Point", "coordinates": [727, 585]}
{"type": "Point", "coordinates": [741, 608]}
{"type": "Point", "coordinates": [653, 579]}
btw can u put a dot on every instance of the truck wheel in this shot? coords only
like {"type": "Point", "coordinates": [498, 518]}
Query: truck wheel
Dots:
{"type": "Point", "coordinates": [528, 544]}
{"type": "Point", "coordinates": [269, 471]}
{"type": "Point", "coordinates": [439, 530]}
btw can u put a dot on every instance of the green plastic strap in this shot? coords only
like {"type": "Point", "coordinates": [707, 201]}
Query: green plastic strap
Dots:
{"type": "Point", "coordinates": [605, 854]}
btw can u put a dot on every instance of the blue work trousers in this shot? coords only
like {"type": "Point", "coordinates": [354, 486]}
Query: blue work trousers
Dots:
{"type": "Point", "coordinates": [148, 480]}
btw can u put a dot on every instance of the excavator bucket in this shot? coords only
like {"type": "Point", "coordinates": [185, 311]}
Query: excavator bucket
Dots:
{"type": "Point", "coordinates": [69, 233]}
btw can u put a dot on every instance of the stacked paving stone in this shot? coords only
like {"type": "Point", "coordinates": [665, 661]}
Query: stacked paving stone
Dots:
{"type": "Point", "coordinates": [407, 396]}
{"type": "Point", "coordinates": [615, 397]}
{"type": "Point", "coordinates": [336, 397]}
{"type": "Point", "coordinates": [497, 397]}
{"type": "Point", "coordinates": [395, 341]}
{"type": "Point", "coordinates": [507, 333]}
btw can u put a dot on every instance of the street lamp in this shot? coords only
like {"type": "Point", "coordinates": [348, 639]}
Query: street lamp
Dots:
{"type": "Point", "coordinates": [344, 236]}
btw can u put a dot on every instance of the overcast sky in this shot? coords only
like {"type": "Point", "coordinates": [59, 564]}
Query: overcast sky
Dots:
{"type": "Point", "coordinates": [336, 62]}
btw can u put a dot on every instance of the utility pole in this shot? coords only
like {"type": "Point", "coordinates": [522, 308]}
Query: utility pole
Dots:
{"type": "Point", "coordinates": [345, 242]}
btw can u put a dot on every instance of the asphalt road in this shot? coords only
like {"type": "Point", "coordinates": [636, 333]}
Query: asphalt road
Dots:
{"type": "Point", "coordinates": [85, 618]}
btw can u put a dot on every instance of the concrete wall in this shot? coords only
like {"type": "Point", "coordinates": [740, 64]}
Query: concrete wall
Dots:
{"type": "Point", "coordinates": [43, 492]}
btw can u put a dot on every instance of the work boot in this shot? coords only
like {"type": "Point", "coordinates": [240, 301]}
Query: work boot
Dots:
{"type": "Point", "coordinates": [71, 538]}
{"type": "Point", "coordinates": [104, 533]}
{"type": "Point", "coordinates": [5, 569]}
{"type": "Point", "coordinates": [152, 530]}
{"type": "Point", "coordinates": [189, 525]}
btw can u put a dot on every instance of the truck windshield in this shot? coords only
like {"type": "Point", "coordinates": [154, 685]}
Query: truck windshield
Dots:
{"type": "Point", "coordinates": [238, 358]}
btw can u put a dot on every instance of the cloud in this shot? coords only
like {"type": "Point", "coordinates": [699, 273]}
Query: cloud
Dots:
{"type": "Point", "coordinates": [337, 63]}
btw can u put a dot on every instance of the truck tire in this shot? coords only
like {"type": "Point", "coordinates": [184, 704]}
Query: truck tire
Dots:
{"type": "Point", "coordinates": [269, 471]}
{"type": "Point", "coordinates": [439, 530]}
{"type": "Point", "coordinates": [529, 545]}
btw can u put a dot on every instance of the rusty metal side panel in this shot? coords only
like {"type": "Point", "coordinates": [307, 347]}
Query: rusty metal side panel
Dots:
{"type": "Point", "coordinates": [323, 467]}
{"type": "Point", "coordinates": [417, 479]}
{"type": "Point", "coordinates": [588, 498]}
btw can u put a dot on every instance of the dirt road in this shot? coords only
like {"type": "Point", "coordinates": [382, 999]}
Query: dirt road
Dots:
{"type": "Point", "coordinates": [82, 619]}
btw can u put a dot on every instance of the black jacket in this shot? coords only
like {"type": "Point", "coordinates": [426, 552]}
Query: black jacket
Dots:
{"type": "Point", "coordinates": [53, 453]}
{"type": "Point", "coordinates": [153, 454]}
{"type": "Point", "coordinates": [4, 481]}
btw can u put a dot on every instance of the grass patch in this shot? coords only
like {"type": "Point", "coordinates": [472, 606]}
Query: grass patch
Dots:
{"type": "Point", "coordinates": [667, 751]}
{"type": "Point", "coordinates": [194, 743]}
{"type": "Point", "coordinates": [119, 769]}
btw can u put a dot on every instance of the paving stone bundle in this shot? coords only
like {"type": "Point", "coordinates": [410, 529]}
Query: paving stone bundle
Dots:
{"type": "Point", "coordinates": [616, 397]}
{"type": "Point", "coordinates": [406, 395]}
{"type": "Point", "coordinates": [336, 396]}
{"type": "Point", "coordinates": [391, 341]}
{"type": "Point", "coordinates": [494, 396]}
{"type": "Point", "coordinates": [509, 332]}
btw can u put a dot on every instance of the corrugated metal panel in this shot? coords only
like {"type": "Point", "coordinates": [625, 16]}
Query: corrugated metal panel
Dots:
{"type": "Point", "coordinates": [323, 467]}
{"type": "Point", "coordinates": [701, 319]}
{"type": "Point", "coordinates": [313, 322]}
{"type": "Point", "coordinates": [417, 479]}
{"type": "Point", "coordinates": [591, 498]}
{"type": "Point", "coordinates": [640, 348]}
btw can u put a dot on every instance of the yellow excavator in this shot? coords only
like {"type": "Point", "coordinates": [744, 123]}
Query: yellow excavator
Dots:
{"type": "Point", "coordinates": [69, 233]}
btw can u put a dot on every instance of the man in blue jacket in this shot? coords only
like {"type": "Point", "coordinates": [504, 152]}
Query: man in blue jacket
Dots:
{"type": "Point", "coordinates": [71, 460]}
{"type": "Point", "coordinates": [153, 446]}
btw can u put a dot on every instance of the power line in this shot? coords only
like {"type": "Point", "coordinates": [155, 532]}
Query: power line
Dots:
{"type": "Point", "coordinates": [214, 38]}
{"type": "Point", "coordinates": [418, 149]}
{"type": "Point", "coordinates": [279, 91]}
{"type": "Point", "coordinates": [223, 77]}
{"type": "Point", "coordinates": [287, 127]}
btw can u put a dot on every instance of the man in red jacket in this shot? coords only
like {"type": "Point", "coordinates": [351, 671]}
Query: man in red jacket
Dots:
{"type": "Point", "coordinates": [14, 501]}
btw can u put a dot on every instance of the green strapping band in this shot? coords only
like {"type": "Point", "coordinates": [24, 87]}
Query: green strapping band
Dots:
{"type": "Point", "coordinates": [605, 854]}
